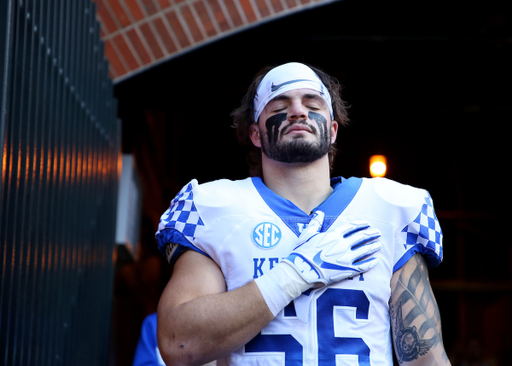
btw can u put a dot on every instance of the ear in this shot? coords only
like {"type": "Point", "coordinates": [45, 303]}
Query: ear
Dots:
{"type": "Point", "coordinates": [254, 134]}
{"type": "Point", "coordinates": [334, 131]}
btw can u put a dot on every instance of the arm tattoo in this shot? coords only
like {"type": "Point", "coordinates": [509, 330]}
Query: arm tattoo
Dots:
{"type": "Point", "coordinates": [414, 313]}
{"type": "Point", "coordinates": [409, 345]}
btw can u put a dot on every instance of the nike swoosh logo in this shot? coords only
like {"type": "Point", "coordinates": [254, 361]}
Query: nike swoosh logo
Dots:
{"type": "Point", "coordinates": [319, 262]}
{"type": "Point", "coordinates": [273, 87]}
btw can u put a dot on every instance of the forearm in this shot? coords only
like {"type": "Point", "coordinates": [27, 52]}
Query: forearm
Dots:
{"type": "Point", "coordinates": [415, 317]}
{"type": "Point", "coordinates": [200, 321]}
{"type": "Point", "coordinates": [209, 327]}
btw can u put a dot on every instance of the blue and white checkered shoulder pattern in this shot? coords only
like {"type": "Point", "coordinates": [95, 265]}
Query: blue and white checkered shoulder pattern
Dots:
{"type": "Point", "coordinates": [425, 230]}
{"type": "Point", "coordinates": [182, 215]}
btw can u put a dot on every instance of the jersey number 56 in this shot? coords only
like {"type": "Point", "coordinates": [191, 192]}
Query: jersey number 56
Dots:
{"type": "Point", "coordinates": [328, 344]}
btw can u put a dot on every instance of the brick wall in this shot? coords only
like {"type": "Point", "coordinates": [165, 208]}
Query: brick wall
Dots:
{"type": "Point", "coordinates": [141, 33]}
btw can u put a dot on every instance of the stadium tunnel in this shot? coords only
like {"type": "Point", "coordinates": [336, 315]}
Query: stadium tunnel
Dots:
{"type": "Point", "coordinates": [428, 86]}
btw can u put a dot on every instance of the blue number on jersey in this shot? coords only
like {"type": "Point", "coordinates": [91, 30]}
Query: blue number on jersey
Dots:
{"type": "Point", "coordinates": [328, 344]}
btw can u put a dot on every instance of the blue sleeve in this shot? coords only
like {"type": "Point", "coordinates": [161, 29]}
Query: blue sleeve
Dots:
{"type": "Point", "coordinates": [147, 352]}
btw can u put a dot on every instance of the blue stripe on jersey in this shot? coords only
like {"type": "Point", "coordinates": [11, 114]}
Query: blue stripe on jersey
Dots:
{"type": "Point", "coordinates": [432, 259]}
{"type": "Point", "coordinates": [171, 235]}
{"type": "Point", "coordinates": [343, 193]}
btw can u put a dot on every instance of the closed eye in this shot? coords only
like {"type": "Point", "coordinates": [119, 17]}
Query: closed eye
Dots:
{"type": "Point", "coordinates": [277, 110]}
{"type": "Point", "coordinates": [313, 101]}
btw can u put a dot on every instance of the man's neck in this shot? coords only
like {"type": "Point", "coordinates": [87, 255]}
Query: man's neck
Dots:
{"type": "Point", "coordinates": [306, 185]}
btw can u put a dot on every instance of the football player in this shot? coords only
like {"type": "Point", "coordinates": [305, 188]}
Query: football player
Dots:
{"type": "Point", "coordinates": [291, 267]}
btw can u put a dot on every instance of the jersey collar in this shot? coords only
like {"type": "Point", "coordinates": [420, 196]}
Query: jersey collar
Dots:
{"type": "Point", "coordinates": [343, 192]}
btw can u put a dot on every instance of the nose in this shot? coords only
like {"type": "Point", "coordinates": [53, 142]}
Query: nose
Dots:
{"type": "Point", "coordinates": [297, 111]}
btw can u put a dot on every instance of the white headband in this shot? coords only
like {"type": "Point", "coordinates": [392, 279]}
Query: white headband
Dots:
{"type": "Point", "coordinates": [288, 77]}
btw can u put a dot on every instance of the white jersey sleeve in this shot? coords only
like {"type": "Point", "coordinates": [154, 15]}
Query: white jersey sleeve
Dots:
{"type": "Point", "coordinates": [178, 225]}
{"type": "Point", "coordinates": [417, 227]}
{"type": "Point", "coordinates": [204, 218]}
{"type": "Point", "coordinates": [405, 215]}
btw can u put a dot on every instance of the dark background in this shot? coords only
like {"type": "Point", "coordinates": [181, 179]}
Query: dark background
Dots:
{"type": "Point", "coordinates": [429, 85]}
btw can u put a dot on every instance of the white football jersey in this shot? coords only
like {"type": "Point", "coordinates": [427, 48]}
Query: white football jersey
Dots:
{"type": "Point", "coordinates": [247, 229]}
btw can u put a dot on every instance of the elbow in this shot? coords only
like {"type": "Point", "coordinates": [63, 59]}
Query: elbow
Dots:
{"type": "Point", "coordinates": [173, 358]}
{"type": "Point", "coordinates": [176, 353]}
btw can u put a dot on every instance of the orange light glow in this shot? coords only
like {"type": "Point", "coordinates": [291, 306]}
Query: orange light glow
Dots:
{"type": "Point", "coordinates": [378, 166]}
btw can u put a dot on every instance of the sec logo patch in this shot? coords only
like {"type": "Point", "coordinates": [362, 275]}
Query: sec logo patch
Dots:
{"type": "Point", "coordinates": [266, 235]}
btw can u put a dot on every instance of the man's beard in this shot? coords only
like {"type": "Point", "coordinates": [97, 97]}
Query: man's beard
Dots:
{"type": "Point", "coordinates": [298, 150]}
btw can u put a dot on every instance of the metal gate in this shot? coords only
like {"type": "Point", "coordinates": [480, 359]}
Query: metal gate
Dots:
{"type": "Point", "coordinates": [59, 147]}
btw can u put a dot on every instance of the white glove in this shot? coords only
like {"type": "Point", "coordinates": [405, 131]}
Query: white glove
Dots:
{"type": "Point", "coordinates": [334, 255]}
{"type": "Point", "coordinates": [320, 259]}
